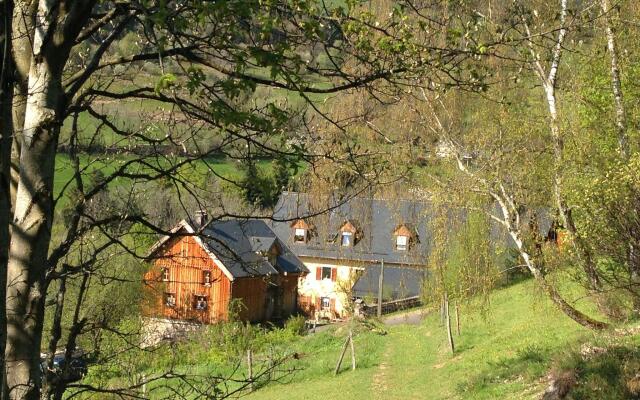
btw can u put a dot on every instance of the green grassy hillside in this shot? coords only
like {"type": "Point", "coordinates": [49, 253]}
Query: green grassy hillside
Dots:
{"type": "Point", "coordinates": [505, 354]}
{"type": "Point", "coordinates": [509, 351]}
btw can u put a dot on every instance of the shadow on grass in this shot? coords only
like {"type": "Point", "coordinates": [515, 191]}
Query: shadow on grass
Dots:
{"type": "Point", "coordinates": [602, 373]}
{"type": "Point", "coordinates": [528, 364]}
{"type": "Point", "coordinates": [599, 374]}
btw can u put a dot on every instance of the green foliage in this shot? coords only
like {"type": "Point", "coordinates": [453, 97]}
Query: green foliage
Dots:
{"type": "Point", "coordinates": [608, 206]}
{"type": "Point", "coordinates": [165, 82]}
{"type": "Point", "coordinates": [215, 350]}
{"type": "Point", "coordinates": [258, 188]}
{"type": "Point", "coordinates": [463, 259]}
{"type": "Point", "coordinates": [296, 325]}
{"type": "Point", "coordinates": [472, 258]}
{"type": "Point", "coordinates": [603, 371]}
{"type": "Point", "coordinates": [281, 173]}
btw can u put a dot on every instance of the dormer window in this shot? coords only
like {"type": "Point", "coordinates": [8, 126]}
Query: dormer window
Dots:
{"type": "Point", "coordinates": [349, 234]}
{"type": "Point", "coordinates": [405, 236]}
{"type": "Point", "coordinates": [402, 242]}
{"type": "Point", "coordinates": [300, 235]}
{"type": "Point", "coordinates": [300, 231]}
{"type": "Point", "coordinates": [347, 239]}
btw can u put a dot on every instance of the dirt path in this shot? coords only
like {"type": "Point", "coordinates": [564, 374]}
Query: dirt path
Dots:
{"type": "Point", "coordinates": [413, 317]}
{"type": "Point", "coordinates": [380, 379]}
{"type": "Point", "coordinates": [381, 384]}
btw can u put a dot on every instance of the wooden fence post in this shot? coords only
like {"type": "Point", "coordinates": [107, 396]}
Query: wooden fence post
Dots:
{"type": "Point", "coordinates": [448, 323]}
{"type": "Point", "coordinates": [353, 351]}
{"type": "Point", "coordinates": [380, 285]}
{"type": "Point", "coordinates": [250, 368]}
{"type": "Point", "coordinates": [344, 350]}
{"type": "Point", "coordinates": [458, 318]}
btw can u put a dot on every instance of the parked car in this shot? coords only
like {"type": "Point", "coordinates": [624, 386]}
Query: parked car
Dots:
{"type": "Point", "coordinates": [77, 367]}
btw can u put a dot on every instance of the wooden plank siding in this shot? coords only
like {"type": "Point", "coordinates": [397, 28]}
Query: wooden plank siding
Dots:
{"type": "Point", "coordinates": [262, 298]}
{"type": "Point", "coordinates": [307, 305]}
{"type": "Point", "coordinates": [186, 261]}
{"type": "Point", "coordinates": [289, 285]}
{"type": "Point", "coordinates": [252, 292]}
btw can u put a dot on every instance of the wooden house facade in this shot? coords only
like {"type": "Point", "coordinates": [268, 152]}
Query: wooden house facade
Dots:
{"type": "Point", "coordinates": [205, 274]}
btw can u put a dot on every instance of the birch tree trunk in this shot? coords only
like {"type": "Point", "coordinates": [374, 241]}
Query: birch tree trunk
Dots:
{"type": "Point", "coordinates": [623, 142]}
{"type": "Point", "coordinates": [616, 86]}
{"type": "Point", "coordinates": [549, 78]}
{"type": "Point", "coordinates": [510, 220]}
{"type": "Point", "coordinates": [23, 22]}
{"type": "Point", "coordinates": [565, 214]}
{"type": "Point", "coordinates": [32, 222]}
{"type": "Point", "coordinates": [33, 210]}
{"type": "Point", "coordinates": [6, 140]}
{"type": "Point", "coordinates": [551, 291]}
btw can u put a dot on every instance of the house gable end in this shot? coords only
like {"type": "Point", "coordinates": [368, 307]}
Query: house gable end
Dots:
{"type": "Point", "coordinates": [183, 225]}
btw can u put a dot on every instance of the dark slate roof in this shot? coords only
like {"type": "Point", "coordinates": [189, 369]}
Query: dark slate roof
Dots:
{"type": "Point", "coordinates": [262, 244]}
{"type": "Point", "coordinates": [376, 219]}
{"type": "Point", "coordinates": [238, 244]}
{"type": "Point", "coordinates": [399, 283]}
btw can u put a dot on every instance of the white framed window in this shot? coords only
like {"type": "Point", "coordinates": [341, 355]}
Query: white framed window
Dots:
{"type": "Point", "coordinates": [325, 273]}
{"type": "Point", "coordinates": [300, 235]}
{"type": "Point", "coordinates": [206, 278]}
{"type": "Point", "coordinates": [165, 274]}
{"type": "Point", "coordinates": [325, 303]}
{"type": "Point", "coordinates": [170, 300]}
{"type": "Point", "coordinates": [347, 239]}
{"type": "Point", "coordinates": [200, 303]}
{"type": "Point", "coordinates": [402, 242]}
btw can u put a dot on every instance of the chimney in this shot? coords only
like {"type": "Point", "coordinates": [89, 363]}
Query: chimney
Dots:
{"type": "Point", "coordinates": [201, 218]}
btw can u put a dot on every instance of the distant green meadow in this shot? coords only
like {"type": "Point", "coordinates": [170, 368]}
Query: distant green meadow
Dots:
{"type": "Point", "coordinates": [219, 168]}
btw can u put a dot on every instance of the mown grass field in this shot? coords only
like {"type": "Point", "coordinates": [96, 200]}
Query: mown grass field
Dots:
{"type": "Point", "coordinates": [505, 353]}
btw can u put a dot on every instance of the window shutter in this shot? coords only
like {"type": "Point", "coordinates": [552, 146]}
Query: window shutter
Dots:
{"type": "Point", "coordinates": [318, 273]}
{"type": "Point", "coordinates": [334, 273]}
{"type": "Point", "coordinates": [318, 303]}
{"type": "Point", "coordinates": [332, 305]}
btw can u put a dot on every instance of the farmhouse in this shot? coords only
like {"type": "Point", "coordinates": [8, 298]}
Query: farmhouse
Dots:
{"type": "Point", "coordinates": [203, 269]}
{"type": "Point", "coordinates": [344, 242]}
{"type": "Point", "coordinates": [345, 246]}
{"type": "Point", "coordinates": [316, 255]}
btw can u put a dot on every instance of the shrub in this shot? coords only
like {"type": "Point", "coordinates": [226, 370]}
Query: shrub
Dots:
{"type": "Point", "coordinates": [295, 325]}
